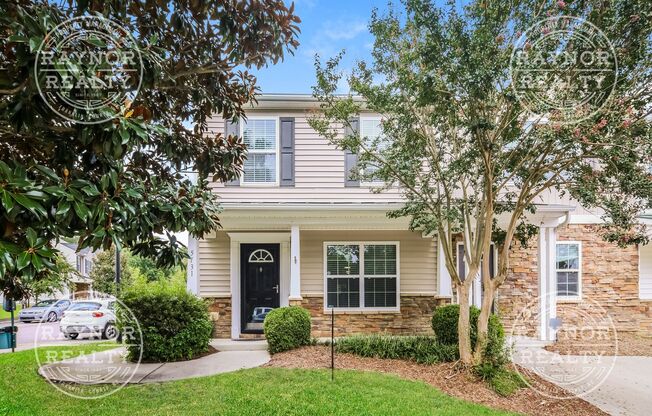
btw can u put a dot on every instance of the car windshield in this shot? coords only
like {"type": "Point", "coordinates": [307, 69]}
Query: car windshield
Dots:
{"type": "Point", "coordinates": [44, 303]}
{"type": "Point", "coordinates": [62, 303]}
{"type": "Point", "coordinates": [85, 306]}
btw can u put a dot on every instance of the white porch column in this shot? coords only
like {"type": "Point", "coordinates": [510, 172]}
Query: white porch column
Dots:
{"type": "Point", "coordinates": [444, 281]}
{"type": "Point", "coordinates": [547, 282]}
{"type": "Point", "coordinates": [192, 283]}
{"type": "Point", "coordinates": [295, 265]}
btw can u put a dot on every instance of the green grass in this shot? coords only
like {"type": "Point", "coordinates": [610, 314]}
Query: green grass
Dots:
{"type": "Point", "coordinates": [261, 391]}
{"type": "Point", "coordinates": [7, 315]}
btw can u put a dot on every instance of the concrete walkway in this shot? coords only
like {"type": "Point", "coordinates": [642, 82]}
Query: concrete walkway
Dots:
{"type": "Point", "coordinates": [110, 367]}
{"type": "Point", "coordinates": [617, 385]}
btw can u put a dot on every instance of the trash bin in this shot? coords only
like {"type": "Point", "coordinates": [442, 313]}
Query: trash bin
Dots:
{"type": "Point", "coordinates": [5, 337]}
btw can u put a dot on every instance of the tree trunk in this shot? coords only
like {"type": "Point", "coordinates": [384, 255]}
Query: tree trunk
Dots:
{"type": "Point", "coordinates": [483, 324]}
{"type": "Point", "coordinates": [463, 326]}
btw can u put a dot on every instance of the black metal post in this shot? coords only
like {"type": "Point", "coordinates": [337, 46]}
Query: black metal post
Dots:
{"type": "Point", "coordinates": [13, 334]}
{"type": "Point", "coordinates": [117, 285]}
{"type": "Point", "coordinates": [117, 271]}
{"type": "Point", "coordinates": [332, 344]}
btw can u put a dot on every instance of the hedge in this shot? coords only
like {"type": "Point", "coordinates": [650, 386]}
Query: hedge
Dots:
{"type": "Point", "coordinates": [287, 328]}
{"type": "Point", "coordinates": [175, 324]}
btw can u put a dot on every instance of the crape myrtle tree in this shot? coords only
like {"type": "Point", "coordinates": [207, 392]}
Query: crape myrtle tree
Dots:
{"type": "Point", "coordinates": [471, 158]}
{"type": "Point", "coordinates": [120, 182]}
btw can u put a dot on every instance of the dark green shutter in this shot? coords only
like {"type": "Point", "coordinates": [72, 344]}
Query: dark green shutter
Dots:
{"type": "Point", "coordinates": [287, 151]}
{"type": "Point", "coordinates": [232, 129]}
{"type": "Point", "coordinates": [350, 158]}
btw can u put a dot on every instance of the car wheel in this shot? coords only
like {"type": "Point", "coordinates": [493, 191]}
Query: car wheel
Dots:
{"type": "Point", "coordinates": [71, 335]}
{"type": "Point", "coordinates": [110, 332]}
{"type": "Point", "coordinates": [52, 317]}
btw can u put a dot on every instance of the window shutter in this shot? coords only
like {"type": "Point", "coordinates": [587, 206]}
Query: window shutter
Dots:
{"type": "Point", "coordinates": [350, 158]}
{"type": "Point", "coordinates": [287, 151]}
{"type": "Point", "coordinates": [232, 129]}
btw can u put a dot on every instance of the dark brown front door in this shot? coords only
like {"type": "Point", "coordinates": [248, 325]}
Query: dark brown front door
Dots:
{"type": "Point", "coordinates": [260, 270]}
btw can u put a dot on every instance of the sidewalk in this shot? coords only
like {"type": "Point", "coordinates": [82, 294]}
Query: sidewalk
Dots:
{"type": "Point", "coordinates": [110, 367]}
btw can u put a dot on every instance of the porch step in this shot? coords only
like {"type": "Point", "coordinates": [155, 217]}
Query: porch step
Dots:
{"type": "Point", "coordinates": [239, 345]}
{"type": "Point", "coordinates": [527, 342]}
{"type": "Point", "coordinates": [258, 337]}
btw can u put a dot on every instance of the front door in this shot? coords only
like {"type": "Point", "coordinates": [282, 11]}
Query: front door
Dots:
{"type": "Point", "coordinates": [260, 270]}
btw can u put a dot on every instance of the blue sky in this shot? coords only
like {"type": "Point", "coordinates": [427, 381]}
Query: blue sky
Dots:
{"type": "Point", "coordinates": [326, 28]}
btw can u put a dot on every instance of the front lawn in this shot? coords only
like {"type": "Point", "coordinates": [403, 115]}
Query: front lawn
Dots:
{"type": "Point", "coordinates": [262, 391]}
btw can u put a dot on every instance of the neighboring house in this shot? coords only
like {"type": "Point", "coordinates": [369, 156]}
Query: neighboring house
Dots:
{"type": "Point", "coordinates": [298, 230]}
{"type": "Point", "coordinates": [83, 263]}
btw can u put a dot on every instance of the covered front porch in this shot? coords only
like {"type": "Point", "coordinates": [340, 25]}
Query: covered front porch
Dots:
{"type": "Point", "coordinates": [269, 257]}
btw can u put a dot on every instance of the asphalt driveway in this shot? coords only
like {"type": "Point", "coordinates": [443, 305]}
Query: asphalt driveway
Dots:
{"type": "Point", "coordinates": [617, 385]}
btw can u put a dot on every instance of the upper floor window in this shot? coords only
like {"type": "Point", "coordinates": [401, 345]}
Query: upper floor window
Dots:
{"type": "Point", "coordinates": [261, 137]}
{"type": "Point", "coordinates": [88, 266]}
{"type": "Point", "coordinates": [569, 269]}
{"type": "Point", "coordinates": [371, 131]}
{"type": "Point", "coordinates": [80, 261]}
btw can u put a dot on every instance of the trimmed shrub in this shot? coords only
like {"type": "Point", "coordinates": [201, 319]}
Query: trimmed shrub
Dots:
{"type": "Point", "coordinates": [422, 349]}
{"type": "Point", "coordinates": [287, 328]}
{"type": "Point", "coordinates": [444, 323]}
{"type": "Point", "coordinates": [175, 324]}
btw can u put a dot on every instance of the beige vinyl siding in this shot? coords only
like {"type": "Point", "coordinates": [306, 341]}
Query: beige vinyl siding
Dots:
{"type": "Point", "coordinates": [418, 261]}
{"type": "Point", "coordinates": [214, 266]}
{"type": "Point", "coordinates": [645, 272]}
{"type": "Point", "coordinates": [418, 258]}
{"type": "Point", "coordinates": [319, 172]}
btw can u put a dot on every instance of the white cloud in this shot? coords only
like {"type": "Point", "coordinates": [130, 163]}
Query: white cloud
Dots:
{"type": "Point", "coordinates": [343, 29]}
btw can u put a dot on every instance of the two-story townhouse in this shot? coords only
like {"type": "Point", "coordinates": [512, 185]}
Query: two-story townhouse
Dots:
{"type": "Point", "coordinates": [298, 230]}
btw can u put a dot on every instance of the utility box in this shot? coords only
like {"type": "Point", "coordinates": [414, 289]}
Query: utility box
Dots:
{"type": "Point", "coordinates": [9, 305]}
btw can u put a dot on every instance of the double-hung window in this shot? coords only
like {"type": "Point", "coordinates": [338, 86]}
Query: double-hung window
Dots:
{"type": "Point", "coordinates": [569, 269]}
{"type": "Point", "coordinates": [261, 137]}
{"type": "Point", "coordinates": [362, 275]}
{"type": "Point", "coordinates": [372, 132]}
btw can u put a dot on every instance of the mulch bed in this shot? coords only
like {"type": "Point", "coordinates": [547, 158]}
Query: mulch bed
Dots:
{"type": "Point", "coordinates": [628, 345]}
{"type": "Point", "coordinates": [446, 378]}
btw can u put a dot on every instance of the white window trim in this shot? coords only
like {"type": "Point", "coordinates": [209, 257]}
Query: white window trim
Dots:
{"type": "Point", "coordinates": [277, 181]}
{"type": "Point", "coordinates": [361, 276]}
{"type": "Point", "coordinates": [579, 272]}
{"type": "Point", "coordinates": [370, 184]}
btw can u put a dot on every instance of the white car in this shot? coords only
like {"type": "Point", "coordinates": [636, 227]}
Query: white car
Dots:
{"type": "Point", "coordinates": [94, 317]}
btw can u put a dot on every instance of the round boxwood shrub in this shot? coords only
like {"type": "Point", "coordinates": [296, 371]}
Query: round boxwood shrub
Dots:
{"type": "Point", "coordinates": [287, 328]}
{"type": "Point", "coordinates": [444, 323]}
{"type": "Point", "coordinates": [175, 325]}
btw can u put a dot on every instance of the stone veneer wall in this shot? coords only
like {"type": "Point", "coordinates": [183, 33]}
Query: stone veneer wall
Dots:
{"type": "Point", "coordinates": [610, 277]}
{"type": "Point", "coordinates": [413, 318]}
{"type": "Point", "coordinates": [521, 287]}
{"type": "Point", "coordinates": [220, 311]}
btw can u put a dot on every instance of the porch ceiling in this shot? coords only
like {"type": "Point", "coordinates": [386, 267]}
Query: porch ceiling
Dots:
{"type": "Point", "coordinates": [346, 216]}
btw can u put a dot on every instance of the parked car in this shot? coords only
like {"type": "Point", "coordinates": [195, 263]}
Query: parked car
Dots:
{"type": "Point", "coordinates": [94, 317]}
{"type": "Point", "coordinates": [49, 310]}
{"type": "Point", "coordinates": [259, 314]}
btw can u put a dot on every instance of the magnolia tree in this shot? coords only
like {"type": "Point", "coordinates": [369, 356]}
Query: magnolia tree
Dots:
{"type": "Point", "coordinates": [488, 106]}
{"type": "Point", "coordinates": [104, 104]}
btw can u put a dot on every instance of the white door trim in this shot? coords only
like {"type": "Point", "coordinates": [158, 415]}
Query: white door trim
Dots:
{"type": "Point", "coordinates": [248, 238]}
